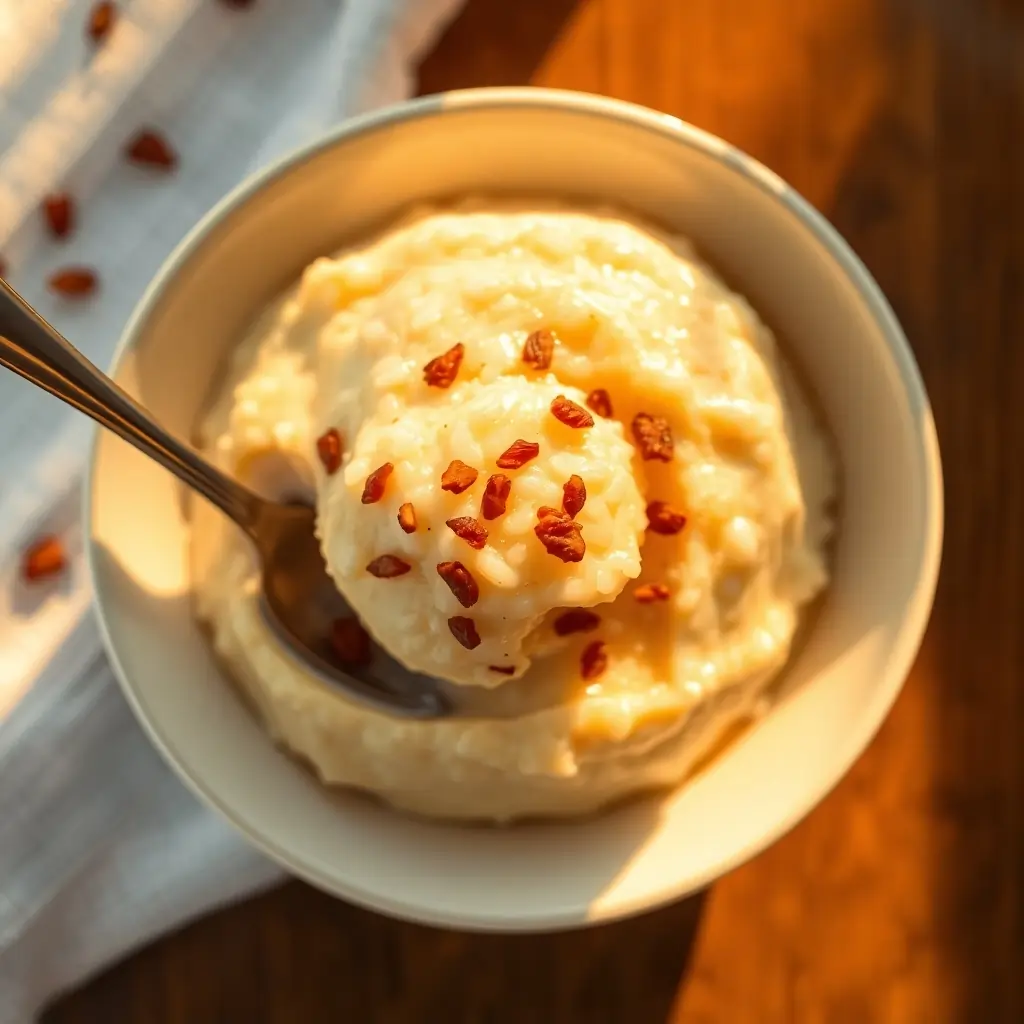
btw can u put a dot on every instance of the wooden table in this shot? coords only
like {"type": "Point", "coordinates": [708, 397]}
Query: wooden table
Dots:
{"type": "Point", "coordinates": [901, 898]}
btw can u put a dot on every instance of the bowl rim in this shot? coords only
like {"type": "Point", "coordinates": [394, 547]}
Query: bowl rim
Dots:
{"type": "Point", "coordinates": [918, 609]}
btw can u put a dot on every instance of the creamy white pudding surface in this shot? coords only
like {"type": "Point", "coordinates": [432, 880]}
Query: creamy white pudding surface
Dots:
{"type": "Point", "coordinates": [445, 390]}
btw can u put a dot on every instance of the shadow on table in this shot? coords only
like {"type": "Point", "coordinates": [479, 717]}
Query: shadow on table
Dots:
{"type": "Point", "coordinates": [495, 42]}
{"type": "Point", "coordinates": [273, 954]}
{"type": "Point", "coordinates": [628, 971]}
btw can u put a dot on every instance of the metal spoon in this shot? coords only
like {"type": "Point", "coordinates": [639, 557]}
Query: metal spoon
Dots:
{"type": "Point", "coordinates": [299, 600]}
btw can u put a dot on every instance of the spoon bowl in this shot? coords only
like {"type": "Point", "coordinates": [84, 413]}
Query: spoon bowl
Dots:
{"type": "Point", "coordinates": [300, 602]}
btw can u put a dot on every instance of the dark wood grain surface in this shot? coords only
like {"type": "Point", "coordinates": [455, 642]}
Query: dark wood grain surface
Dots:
{"type": "Point", "coordinates": [901, 898]}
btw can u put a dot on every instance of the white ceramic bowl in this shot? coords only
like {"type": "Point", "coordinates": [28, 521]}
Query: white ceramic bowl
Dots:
{"type": "Point", "coordinates": [803, 279]}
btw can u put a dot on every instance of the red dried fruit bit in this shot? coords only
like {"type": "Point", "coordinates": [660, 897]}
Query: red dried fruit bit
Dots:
{"type": "Point", "coordinates": [574, 495]}
{"type": "Point", "coordinates": [101, 21]}
{"type": "Point", "coordinates": [577, 620]}
{"type": "Point", "coordinates": [59, 211]}
{"type": "Point", "coordinates": [460, 582]}
{"type": "Point", "coordinates": [376, 482]}
{"type": "Point", "coordinates": [150, 149]}
{"type": "Point", "coordinates": [539, 348]}
{"type": "Point", "coordinates": [517, 454]}
{"type": "Point", "coordinates": [407, 518]}
{"type": "Point", "coordinates": [663, 518]}
{"type": "Point", "coordinates": [464, 630]}
{"type": "Point", "coordinates": [387, 567]}
{"type": "Point", "coordinates": [593, 660]}
{"type": "Point", "coordinates": [503, 670]}
{"type": "Point", "coordinates": [471, 530]}
{"type": "Point", "coordinates": [43, 558]}
{"type": "Point", "coordinates": [495, 496]}
{"type": "Point", "coordinates": [653, 437]}
{"type": "Point", "coordinates": [571, 414]}
{"type": "Point", "coordinates": [457, 477]}
{"type": "Point", "coordinates": [600, 401]}
{"type": "Point", "coordinates": [350, 642]}
{"type": "Point", "coordinates": [561, 536]}
{"type": "Point", "coordinates": [74, 282]}
{"type": "Point", "coordinates": [648, 593]}
{"type": "Point", "coordinates": [442, 370]}
{"type": "Point", "coordinates": [546, 511]}
{"type": "Point", "coordinates": [328, 447]}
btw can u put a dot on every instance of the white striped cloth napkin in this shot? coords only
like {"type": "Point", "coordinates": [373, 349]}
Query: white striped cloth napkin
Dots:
{"type": "Point", "coordinates": [101, 848]}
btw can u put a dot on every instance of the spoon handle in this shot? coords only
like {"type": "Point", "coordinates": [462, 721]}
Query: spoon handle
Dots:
{"type": "Point", "coordinates": [36, 351]}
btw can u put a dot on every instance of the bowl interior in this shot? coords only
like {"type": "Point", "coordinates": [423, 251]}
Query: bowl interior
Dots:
{"type": "Point", "coordinates": [832, 323]}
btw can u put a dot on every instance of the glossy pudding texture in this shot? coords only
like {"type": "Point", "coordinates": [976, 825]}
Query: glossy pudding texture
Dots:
{"type": "Point", "coordinates": [557, 464]}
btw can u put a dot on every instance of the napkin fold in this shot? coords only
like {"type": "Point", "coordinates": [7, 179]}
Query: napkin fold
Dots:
{"type": "Point", "coordinates": [101, 848]}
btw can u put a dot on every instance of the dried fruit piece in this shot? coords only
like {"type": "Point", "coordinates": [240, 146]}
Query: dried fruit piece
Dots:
{"type": "Point", "coordinates": [43, 559]}
{"type": "Point", "coordinates": [464, 630]}
{"type": "Point", "coordinates": [663, 518]}
{"type": "Point", "coordinates": [350, 642]}
{"type": "Point", "coordinates": [495, 496]}
{"type": "Point", "coordinates": [101, 21]}
{"type": "Point", "coordinates": [574, 496]}
{"type": "Point", "coordinates": [572, 415]}
{"type": "Point", "coordinates": [460, 582]}
{"type": "Point", "coordinates": [59, 211]}
{"type": "Point", "coordinates": [593, 660]}
{"type": "Point", "coordinates": [648, 593]}
{"type": "Point", "coordinates": [517, 454]}
{"type": "Point", "coordinates": [407, 518]}
{"type": "Point", "coordinates": [600, 401]}
{"type": "Point", "coordinates": [471, 530]}
{"type": "Point", "coordinates": [560, 535]}
{"type": "Point", "coordinates": [151, 149]}
{"type": "Point", "coordinates": [387, 567]}
{"type": "Point", "coordinates": [503, 670]}
{"type": "Point", "coordinates": [576, 620]}
{"type": "Point", "coordinates": [546, 511]}
{"type": "Point", "coordinates": [328, 447]}
{"type": "Point", "coordinates": [539, 348]}
{"type": "Point", "coordinates": [73, 282]}
{"type": "Point", "coordinates": [376, 482]}
{"type": "Point", "coordinates": [653, 437]}
{"type": "Point", "coordinates": [442, 370]}
{"type": "Point", "coordinates": [458, 476]}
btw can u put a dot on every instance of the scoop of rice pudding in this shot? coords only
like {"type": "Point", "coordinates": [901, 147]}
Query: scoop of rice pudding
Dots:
{"type": "Point", "coordinates": [557, 464]}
